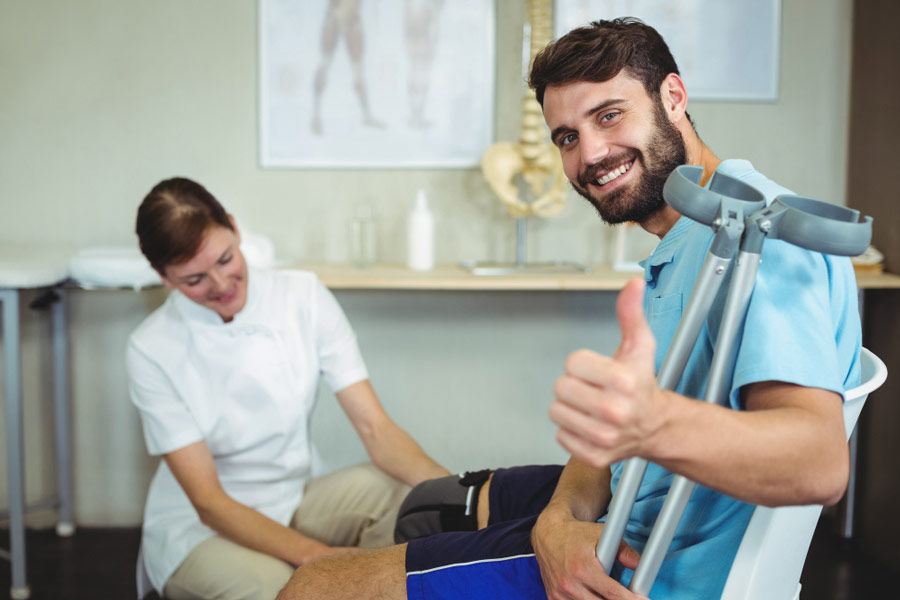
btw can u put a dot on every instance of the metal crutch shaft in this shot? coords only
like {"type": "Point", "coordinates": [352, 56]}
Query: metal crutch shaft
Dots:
{"type": "Point", "coordinates": [725, 213]}
{"type": "Point", "coordinates": [686, 335]}
{"type": "Point", "coordinates": [717, 389]}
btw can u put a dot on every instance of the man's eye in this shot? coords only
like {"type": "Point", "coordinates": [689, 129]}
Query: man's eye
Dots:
{"type": "Point", "coordinates": [567, 139]}
{"type": "Point", "coordinates": [609, 116]}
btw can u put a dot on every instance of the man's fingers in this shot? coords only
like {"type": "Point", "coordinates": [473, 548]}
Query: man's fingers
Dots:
{"type": "Point", "coordinates": [628, 556]}
{"type": "Point", "coordinates": [583, 450]}
{"type": "Point", "coordinates": [593, 429]}
{"type": "Point", "coordinates": [591, 367]}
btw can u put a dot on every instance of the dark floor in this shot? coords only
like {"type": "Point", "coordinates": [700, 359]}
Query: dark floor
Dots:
{"type": "Point", "coordinates": [99, 563]}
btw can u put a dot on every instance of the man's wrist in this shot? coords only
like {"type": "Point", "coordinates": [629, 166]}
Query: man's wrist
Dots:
{"type": "Point", "coordinates": [657, 445]}
{"type": "Point", "coordinates": [556, 512]}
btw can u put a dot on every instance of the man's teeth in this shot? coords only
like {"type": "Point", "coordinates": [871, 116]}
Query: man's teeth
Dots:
{"type": "Point", "coordinates": [614, 174]}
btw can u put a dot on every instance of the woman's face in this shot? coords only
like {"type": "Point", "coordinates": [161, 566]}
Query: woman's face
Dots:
{"type": "Point", "coordinates": [215, 277]}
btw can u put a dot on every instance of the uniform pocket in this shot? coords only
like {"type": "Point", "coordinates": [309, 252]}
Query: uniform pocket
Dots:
{"type": "Point", "coordinates": [665, 313]}
{"type": "Point", "coordinates": [664, 304]}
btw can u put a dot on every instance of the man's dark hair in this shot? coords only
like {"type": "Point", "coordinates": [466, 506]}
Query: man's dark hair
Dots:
{"type": "Point", "coordinates": [599, 51]}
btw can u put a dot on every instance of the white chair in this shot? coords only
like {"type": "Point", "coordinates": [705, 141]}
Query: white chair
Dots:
{"type": "Point", "coordinates": [771, 555]}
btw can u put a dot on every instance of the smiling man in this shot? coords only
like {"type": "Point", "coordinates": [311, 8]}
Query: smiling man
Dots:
{"type": "Point", "coordinates": [617, 110]}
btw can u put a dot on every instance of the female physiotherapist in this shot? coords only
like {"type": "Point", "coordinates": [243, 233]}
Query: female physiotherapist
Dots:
{"type": "Point", "coordinates": [224, 375]}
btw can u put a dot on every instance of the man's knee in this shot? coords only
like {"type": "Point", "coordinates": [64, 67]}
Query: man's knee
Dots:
{"type": "Point", "coordinates": [367, 574]}
{"type": "Point", "coordinates": [443, 504]}
{"type": "Point", "coordinates": [220, 568]}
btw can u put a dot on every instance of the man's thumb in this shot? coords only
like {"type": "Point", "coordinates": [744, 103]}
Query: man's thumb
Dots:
{"type": "Point", "coordinates": [637, 339]}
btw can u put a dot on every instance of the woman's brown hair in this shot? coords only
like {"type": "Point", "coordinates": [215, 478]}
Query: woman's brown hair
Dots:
{"type": "Point", "coordinates": [172, 219]}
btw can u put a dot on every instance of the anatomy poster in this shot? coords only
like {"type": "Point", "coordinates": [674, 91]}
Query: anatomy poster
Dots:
{"type": "Point", "coordinates": [375, 83]}
{"type": "Point", "coordinates": [725, 49]}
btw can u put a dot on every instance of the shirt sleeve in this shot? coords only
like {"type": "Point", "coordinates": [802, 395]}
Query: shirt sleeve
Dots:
{"type": "Point", "coordinates": [167, 422]}
{"type": "Point", "coordinates": [792, 327]}
{"type": "Point", "coordinates": [340, 360]}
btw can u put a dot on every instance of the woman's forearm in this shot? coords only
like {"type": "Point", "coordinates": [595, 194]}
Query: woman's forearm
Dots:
{"type": "Point", "coordinates": [252, 529]}
{"type": "Point", "coordinates": [396, 453]}
{"type": "Point", "coordinates": [391, 448]}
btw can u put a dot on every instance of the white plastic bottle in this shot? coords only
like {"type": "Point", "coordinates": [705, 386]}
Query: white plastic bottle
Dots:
{"type": "Point", "coordinates": [420, 236]}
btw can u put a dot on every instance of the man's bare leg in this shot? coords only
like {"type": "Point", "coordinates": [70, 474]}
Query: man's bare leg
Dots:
{"type": "Point", "coordinates": [368, 574]}
{"type": "Point", "coordinates": [483, 512]}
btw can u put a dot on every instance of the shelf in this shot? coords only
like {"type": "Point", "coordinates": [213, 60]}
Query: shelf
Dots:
{"type": "Point", "coordinates": [454, 277]}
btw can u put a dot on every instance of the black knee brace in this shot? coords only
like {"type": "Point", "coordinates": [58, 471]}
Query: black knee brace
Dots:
{"type": "Point", "coordinates": [444, 504]}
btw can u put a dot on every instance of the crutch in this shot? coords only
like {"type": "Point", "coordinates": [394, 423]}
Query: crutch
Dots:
{"type": "Point", "coordinates": [804, 222]}
{"type": "Point", "coordinates": [722, 206]}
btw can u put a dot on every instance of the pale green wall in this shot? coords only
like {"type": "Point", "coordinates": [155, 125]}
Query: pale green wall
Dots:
{"type": "Point", "coordinates": [102, 98]}
{"type": "Point", "coordinates": [99, 99]}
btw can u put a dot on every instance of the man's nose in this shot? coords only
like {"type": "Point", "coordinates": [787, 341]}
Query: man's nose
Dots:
{"type": "Point", "coordinates": [594, 148]}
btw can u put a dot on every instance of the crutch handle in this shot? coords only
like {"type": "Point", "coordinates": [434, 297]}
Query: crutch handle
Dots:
{"type": "Point", "coordinates": [813, 224]}
{"type": "Point", "coordinates": [684, 193]}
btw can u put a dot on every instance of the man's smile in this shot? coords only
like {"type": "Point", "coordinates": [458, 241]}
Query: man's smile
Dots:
{"type": "Point", "coordinates": [602, 178]}
{"type": "Point", "coordinates": [613, 174]}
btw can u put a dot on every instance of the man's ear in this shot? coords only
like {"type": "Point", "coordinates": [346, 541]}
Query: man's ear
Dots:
{"type": "Point", "coordinates": [673, 95]}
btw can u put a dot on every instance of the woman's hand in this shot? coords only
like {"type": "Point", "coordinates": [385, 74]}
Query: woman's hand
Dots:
{"type": "Point", "coordinates": [314, 550]}
{"type": "Point", "coordinates": [195, 470]}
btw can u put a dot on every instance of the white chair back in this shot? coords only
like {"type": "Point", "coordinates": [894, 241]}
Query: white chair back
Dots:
{"type": "Point", "coordinates": [772, 552]}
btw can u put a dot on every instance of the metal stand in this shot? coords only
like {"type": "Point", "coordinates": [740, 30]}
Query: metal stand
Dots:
{"type": "Point", "coordinates": [14, 448]}
{"type": "Point", "coordinates": [522, 266]}
{"type": "Point", "coordinates": [20, 589]}
{"type": "Point", "coordinates": [804, 222]}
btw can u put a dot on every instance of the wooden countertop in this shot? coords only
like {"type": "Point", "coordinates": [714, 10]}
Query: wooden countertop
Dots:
{"type": "Point", "coordinates": [455, 277]}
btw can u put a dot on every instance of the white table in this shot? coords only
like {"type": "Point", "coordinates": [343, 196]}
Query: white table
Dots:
{"type": "Point", "coordinates": [33, 268]}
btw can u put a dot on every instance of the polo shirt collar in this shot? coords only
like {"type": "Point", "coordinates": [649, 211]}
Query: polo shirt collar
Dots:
{"type": "Point", "coordinates": [665, 250]}
{"type": "Point", "coordinates": [735, 167]}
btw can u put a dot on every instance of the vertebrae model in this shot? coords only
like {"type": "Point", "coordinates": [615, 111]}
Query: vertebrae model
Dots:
{"type": "Point", "coordinates": [533, 157]}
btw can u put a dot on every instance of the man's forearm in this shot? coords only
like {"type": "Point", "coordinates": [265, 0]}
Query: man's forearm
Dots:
{"type": "Point", "coordinates": [787, 448]}
{"type": "Point", "coordinates": [582, 490]}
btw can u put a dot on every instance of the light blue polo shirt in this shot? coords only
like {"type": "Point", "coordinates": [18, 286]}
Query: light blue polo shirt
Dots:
{"type": "Point", "coordinates": [802, 327]}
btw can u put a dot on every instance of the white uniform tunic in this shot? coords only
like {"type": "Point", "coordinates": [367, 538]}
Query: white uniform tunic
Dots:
{"type": "Point", "coordinates": [246, 388]}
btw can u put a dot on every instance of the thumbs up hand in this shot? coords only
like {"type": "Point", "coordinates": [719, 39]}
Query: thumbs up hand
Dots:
{"type": "Point", "coordinates": [608, 408]}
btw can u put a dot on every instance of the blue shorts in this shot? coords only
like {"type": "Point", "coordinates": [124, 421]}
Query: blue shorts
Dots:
{"type": "Point", "coordinates": [496, 562]}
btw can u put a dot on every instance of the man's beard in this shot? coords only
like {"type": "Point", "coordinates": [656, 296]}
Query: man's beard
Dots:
{"type": "Point", "coordinates": [640, 201]}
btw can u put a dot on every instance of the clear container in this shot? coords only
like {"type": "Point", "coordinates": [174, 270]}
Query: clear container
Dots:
{"type": "Point", "coordinates": [363, 238]}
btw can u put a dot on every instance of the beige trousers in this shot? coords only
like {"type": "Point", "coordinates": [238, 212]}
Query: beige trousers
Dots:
{"type": "Point", "coordinates": [356, 506]}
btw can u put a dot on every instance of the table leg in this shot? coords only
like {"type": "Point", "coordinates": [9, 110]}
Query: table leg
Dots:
{"type": "Point", "coordinates": [65, 525]}
{"type": "Point", "coordinates": [14, 448]}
